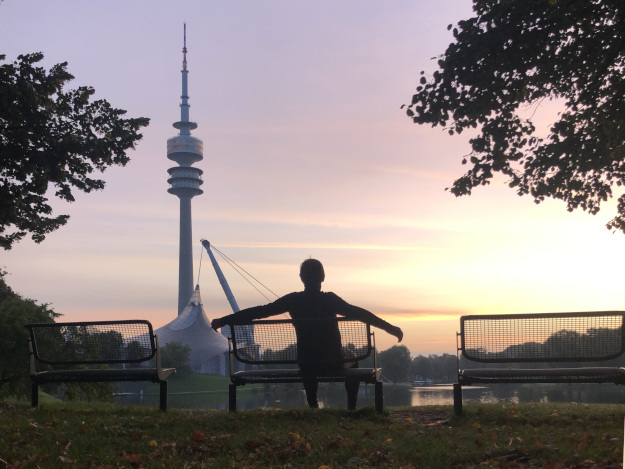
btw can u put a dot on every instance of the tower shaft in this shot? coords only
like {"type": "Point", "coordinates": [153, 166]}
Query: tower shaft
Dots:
{"type": "Point", "coordinates": [185, 255]}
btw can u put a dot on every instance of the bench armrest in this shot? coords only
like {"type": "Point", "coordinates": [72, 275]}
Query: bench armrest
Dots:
{"type": "Point", "coordinates": [158, 353]}
{"type": "Point", "coordinates": [231, 356]}
{"type": "Point", "coordinates": [375, 352]}
{"type": "Point", "coordinates": [31, 357]}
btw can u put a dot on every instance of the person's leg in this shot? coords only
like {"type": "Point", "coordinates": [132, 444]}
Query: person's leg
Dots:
{"type": "Point", "coordinates": [310, 386]}
{"type": "Point", "coordinates": [352, 385]}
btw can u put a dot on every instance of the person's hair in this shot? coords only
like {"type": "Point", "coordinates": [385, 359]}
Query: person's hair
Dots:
{"type": "Point", "coordinates": [311, 272]}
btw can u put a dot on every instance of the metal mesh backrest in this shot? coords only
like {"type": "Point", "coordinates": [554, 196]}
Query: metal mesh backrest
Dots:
{"type": "Point", "coordinates": [93, 342]}
{"type": "Point", "coordinates": [542, 337]}
{"type": "Point", "coordinates": [274, 341]}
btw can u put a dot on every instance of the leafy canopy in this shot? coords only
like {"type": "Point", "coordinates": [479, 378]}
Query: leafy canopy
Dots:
{"type": "Point", "coordinates": [505, 62]}
{"type": "Point", "coordinates": [52, 139]}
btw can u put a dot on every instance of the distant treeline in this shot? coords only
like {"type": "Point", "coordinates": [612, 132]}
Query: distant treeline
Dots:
{"type": "Point", "coordinates": [441, 368]}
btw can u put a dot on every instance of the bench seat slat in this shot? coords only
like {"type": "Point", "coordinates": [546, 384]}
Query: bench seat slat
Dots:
{"type": "Point", "coordinates": [96, 375]}
{"type": "Point", "coordinates": [366, 375]}
{"type": "Point", "coordinates": [581, 375]}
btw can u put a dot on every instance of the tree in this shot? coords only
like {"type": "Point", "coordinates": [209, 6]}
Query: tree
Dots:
{"type": "Point", "coordinates": [176, 355]}
{"type": "Point", "coordinates": [421, 367]}
{"type": "Point", "coordinates": [16, 311]}
{"type": "Point", "coordinates": [505, 62]}
{"type": "Point", "coordinates": [52, 139]}
{"type": "Point", "coordinates": [395, 363]}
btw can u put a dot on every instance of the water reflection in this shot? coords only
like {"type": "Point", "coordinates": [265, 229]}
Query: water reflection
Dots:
{"type": "Point", "coordinates": [333, 395]}
{"type": "Point", "coordinates": [514, 393]}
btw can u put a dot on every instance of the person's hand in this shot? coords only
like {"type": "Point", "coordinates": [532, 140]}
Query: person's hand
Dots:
{"type": "Point", "coordinates": [216, 324]}
{"type": "Point", "coordinates": [399, 334]}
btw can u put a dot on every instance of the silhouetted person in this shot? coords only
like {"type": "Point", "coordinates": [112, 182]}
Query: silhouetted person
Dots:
{"type": "Point", "coordinates": [319, 350]}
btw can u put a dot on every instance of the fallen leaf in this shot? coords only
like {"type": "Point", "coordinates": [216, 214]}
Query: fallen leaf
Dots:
{"type": "Point", "coordinates": [588, 463]}
{"type": "Point", "coordinates": [152, 443]}
{"type": "Point", "coordinates": [198, 435]}
{"type": "Point", "coordinates": [133, 458]}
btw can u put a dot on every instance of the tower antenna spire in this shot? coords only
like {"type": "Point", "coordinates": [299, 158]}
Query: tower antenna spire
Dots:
{"type": "Point", "coordinates": [184, 49]}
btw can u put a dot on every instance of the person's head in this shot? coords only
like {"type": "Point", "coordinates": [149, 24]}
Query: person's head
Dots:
{"type": "Point", "coordinates": [311, 273]}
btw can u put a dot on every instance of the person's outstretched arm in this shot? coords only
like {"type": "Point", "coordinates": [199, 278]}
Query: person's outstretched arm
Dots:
{"type": "Point", "coordinates": [355, 312]}
{"type": "Point", "coordinates": [249, 314]}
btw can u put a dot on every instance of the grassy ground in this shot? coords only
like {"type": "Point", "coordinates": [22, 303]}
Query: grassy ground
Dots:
{"type": "Point", "coordinates": [506, 436]}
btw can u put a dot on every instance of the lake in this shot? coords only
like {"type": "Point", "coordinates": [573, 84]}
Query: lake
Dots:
{"type": "Point", "coordinates": [289, 396]}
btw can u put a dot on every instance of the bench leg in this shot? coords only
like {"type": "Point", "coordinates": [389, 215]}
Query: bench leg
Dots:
{"type": "Point", "coordinates": [457, 399]}
{"type": "Point", "coordinates": [379, 397]}
{"type": "Point", "coordinates": [163, 395]}
{"type": "Point", "coordinates": [34, 397]}
{"type": "Point", "coordinates": [232, 398]}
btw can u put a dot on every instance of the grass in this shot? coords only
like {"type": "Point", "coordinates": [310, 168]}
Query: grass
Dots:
{"type": "Point", "coordinates": [99, 435]}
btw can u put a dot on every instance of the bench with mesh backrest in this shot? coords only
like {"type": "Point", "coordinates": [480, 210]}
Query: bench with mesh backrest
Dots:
{"type": "Point", "coordinates": [539, 348]}
{"type": "Point", "coordinates": [268, 350]}
{"type": "Point", "coordinates": [99, 351]}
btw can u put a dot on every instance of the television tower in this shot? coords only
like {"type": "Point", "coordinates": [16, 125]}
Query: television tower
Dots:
{"type": "Point", "coordinates": [185, 181]}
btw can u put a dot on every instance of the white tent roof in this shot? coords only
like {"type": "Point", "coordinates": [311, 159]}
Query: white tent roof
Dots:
{"type": "Point", "coordinates": [192, 327]}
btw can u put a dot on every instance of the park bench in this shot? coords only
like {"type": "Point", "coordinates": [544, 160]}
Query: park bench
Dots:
{"type": "Point", "coordinates": [268, 348]}
{"type": "Point", "coordinates": [99, 351]}
{"type": "Point", "coordinates": [540, 348]}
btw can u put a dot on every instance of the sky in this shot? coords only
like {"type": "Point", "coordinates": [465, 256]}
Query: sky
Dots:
{"type": "Point", "coordinates": [306, 154]}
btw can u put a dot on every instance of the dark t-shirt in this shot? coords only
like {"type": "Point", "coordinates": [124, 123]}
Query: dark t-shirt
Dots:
{"type": "Point", "coordinates": [314, 318]}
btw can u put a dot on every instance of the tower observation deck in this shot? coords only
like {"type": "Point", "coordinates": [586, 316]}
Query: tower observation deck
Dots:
{"type": "Point", "coordinates": [185, 182]}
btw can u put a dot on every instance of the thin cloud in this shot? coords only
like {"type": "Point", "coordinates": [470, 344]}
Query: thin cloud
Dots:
{"type": "Point", "coordinates": [365, 247]}
{"type": "Point", "coordinates": [421, 314]}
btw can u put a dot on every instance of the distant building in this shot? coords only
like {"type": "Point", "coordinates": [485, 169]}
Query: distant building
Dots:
{"type": "Point", "coordinates": [192, 327]}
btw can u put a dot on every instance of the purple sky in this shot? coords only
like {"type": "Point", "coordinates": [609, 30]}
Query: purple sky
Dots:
{"type": "Point", "coordinates": [306, 153]}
